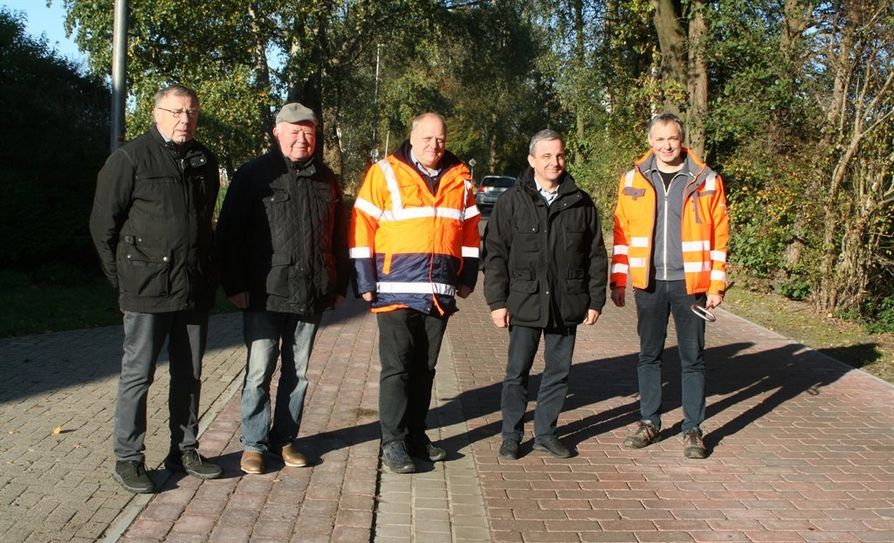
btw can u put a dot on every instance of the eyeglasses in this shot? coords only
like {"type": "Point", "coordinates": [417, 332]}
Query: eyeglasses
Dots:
{"type": "Point", "coordinates": [177, 113]}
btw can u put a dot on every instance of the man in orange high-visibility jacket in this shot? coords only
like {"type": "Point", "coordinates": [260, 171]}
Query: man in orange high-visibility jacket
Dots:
{"type": "Point", "coordinates": [670, 237]}
{"type": "Point", "coordinates": [414, 245]}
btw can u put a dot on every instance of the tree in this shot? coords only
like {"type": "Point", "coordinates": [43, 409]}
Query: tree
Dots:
{"type": "Point", "coordinates": [56, 140]}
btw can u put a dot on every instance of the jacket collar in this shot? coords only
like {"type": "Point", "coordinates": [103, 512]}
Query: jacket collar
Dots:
{"type": "Point", "coordinates": [567, 185]}
{"type": "Point", "coordinates": [402, 154]}
{"type": "Point", "coordinates": [693, 166]}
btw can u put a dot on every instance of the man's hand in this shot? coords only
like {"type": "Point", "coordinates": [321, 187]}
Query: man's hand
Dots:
{"type": "Point", "coordinates": [368, 296]}
{"type": "Point", "coordinates": [464, 291]}
{"type": "Point", "coordinates": [240, 300]}
{"type": "Point", "coordinates": [500, 317]}
{"type": "Point", "coordinates": [592, 316]}
{"type": "Point", "coordinates": [713, 301]}
{"type": "Point", "coordinates": [618, 296]}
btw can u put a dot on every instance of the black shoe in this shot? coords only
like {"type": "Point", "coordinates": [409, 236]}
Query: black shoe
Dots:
{"type": "Point", "coordinates": [425, 449]}
{"type": "Point", "coordinates": [553, 446]}
{"type": "Point", "coordinates": [191, 462]}
{"type": "Point", "coordinates": [395, 457]}
{"type": "Point", "coordinates": [645, 434]}
{"type": "Point", "coordinates": [693, 445]}
{"type": "Point", "coordinates": [509, 449]}
{"type": "Point", "coordinates": [133, 477]}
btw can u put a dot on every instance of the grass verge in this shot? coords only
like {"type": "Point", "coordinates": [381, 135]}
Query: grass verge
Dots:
{"type": "Point", "coordinates": [843, 340]}
{"type": "Point", "coordinates": [82, 300]}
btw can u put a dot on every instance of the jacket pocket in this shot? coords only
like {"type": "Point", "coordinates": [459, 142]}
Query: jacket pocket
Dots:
{"type": "Point", "coordinates": [278, 276]}
{"type": "Point", "coordinates": [576, 299]}
{"type": "Point", "coordinates": [276, 206]}
{"type": "Point", "coordinates": [142, 272]}
{"type": "Point", "coordinates": [527, 237]}
{"type": "Point", "coordinates": [523, 301]}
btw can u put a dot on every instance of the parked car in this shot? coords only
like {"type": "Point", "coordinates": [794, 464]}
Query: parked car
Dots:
{"type": "Point", "coordinates": [491, 187]}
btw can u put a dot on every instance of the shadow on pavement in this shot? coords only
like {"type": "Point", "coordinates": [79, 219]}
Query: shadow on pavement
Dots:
{"type": "Point", "coordinates": [735, 375]}
{"type": "Point", "coordinates": [45, 363]}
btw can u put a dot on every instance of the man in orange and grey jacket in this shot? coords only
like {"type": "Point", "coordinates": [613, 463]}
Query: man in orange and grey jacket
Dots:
{"type": "Point", "coordinates": [414, 245]}
{"type": "Point", "coordinates": [670, 236]}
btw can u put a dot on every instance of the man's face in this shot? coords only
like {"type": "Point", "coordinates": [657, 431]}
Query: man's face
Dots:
{"type": "Point", "coordinates": [548, 160]}
{"type": "Point", "coordinates": [428, 141]}
{"type": "Point", "coordinates": [297, 141]}
{"type": "Point", "coordinates": [666, 143]}
{"type": "Point", "coordinates": [181, 125]}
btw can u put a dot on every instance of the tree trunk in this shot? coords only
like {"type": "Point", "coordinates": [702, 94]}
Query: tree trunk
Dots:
{"type": "Point", "coordinates": [672, 43]}
{"type": "Point", "coordinates": [698, 80]}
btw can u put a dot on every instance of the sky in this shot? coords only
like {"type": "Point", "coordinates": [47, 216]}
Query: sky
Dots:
{"type": "Point", "coordinates": [49, 21]}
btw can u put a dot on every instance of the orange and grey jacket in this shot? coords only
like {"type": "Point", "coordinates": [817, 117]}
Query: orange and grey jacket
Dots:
{"type": "Point", "coordinates": [702, 223]}
{"type": "Point", "coordinates": [411, 247]}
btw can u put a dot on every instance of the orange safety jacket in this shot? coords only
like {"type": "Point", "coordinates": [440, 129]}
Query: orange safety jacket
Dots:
{"type": "Point", "coordinates": [410, 247]}
{"type": "Point", "coordinates": [704, 225]}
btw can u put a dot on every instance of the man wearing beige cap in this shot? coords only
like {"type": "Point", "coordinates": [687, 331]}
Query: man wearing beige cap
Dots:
{"type": "Point", "coordinates": [283, 254]}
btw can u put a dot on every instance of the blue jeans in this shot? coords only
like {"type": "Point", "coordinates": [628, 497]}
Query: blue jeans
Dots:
{"type": "Point", "coordinates": [523, 343]}
{"type": "Point", "coordinates": [653, 309]}
{"type": "Point", "coordinates": [266, 334]}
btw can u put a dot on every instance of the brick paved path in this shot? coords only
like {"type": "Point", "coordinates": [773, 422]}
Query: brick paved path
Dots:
{"type": "Point", "coordinates": [803, 447]}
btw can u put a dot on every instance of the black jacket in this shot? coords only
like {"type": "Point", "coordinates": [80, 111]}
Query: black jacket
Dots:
{"type": "Point", "coordinates": [151, 224]}
{"type": "Point", "coordinates": [282, 236]}
{"type": "Point", "coordinates": [547, 265]}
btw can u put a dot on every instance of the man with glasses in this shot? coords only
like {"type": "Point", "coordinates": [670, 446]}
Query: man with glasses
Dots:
{"type": "Point", "coordinates": [151, 224]}
{"type": "Point", "coordinates": [282, 241]}
{"type": "Point", "coordinates": [670, 239]}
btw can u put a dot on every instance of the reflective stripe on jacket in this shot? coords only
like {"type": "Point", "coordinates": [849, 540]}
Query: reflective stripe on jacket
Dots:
{"type": "Point", "coordinates": [410, 247]}
{"type": "Point", "coordinates": [704, 228]}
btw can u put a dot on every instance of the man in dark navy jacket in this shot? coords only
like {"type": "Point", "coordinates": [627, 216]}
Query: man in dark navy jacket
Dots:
{"type": "Point", "coordinates": [545, 272]}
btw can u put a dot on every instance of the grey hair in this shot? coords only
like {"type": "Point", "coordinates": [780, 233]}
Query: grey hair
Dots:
{"type": "Point", "coordinates": [667, 118]}
{"type": "Point", "coordinates": [419, 118]}
{"type": "Point", "coordinates": [547, 134]}
{"type": "Point", "coordinates": [177, 90]}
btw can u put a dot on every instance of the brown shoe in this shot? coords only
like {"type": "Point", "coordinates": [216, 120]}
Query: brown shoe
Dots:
{"type": "Point", "coordinates": [291, 457]}
{"type": "Point", "coordinates": [252, 462]}
{"type": "Point", "coordinates": [645, 434]}
{"type": "Point", "coordinates": [693, 445]}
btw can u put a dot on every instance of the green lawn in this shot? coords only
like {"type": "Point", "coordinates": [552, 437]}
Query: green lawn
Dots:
{"type": "Point", "coordinates": [53, 303]}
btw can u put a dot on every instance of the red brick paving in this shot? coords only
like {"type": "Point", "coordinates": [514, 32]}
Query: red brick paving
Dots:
{"type": "Point", "coordinates": [802, 448]}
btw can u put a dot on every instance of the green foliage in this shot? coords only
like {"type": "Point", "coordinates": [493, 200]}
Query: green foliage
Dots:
{"type": "Point", "coordinates": [57, 139]}
{"type": "Point", "coordinates": [883, 314]}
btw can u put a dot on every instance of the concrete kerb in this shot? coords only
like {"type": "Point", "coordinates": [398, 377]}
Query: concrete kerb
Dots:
{"type": "Point", "coordinates": [421, 506]}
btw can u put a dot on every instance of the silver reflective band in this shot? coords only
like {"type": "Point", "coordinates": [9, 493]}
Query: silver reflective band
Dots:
{"type": "Point", "coordinates": [702, 313]}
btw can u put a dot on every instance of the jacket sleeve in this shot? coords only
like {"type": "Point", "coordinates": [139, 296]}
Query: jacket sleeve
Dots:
{"type": "Point", "coordinates": [620, 242]}
{"type": "Point", "coordinates": [471, 239]}
{"type": "Point", "coordinates": [598, 265]}
{"type": "Point", "coordinates": [340, 240]}
{"type": "Point", "coordinates": [111, 205]}
{"type": "Point", "coordinates": [233, 231]}
{"type": "Point", "coordinates": [497, 243]}
{"type": "Point", "coordinates": [720, 222]}
{"type": "Point", "coordinates": [368, 209]}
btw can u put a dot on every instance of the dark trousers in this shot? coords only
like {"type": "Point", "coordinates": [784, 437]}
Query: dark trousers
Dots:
{"type": "Point", "coordinates": [653, 309]}
{"type": "Point", "coordinates": [144, 336]}
{"type": "Point", "coordinates": [409, 342]}
{"type": "Point", "coordinates": [523, 343]}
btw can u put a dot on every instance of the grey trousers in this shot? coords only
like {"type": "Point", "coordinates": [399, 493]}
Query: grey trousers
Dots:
{"type": "Point", "coordinates": [144, 337]}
